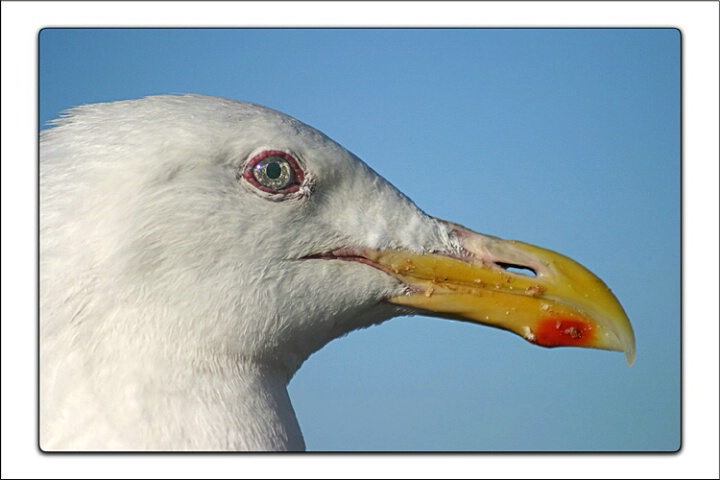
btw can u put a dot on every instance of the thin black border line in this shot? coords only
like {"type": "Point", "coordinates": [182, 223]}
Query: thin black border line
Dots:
{"type": "Point", "coordinates": [370, 452]}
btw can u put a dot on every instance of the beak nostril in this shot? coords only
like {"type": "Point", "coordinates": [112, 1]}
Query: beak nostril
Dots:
{"type": "Point", "coordinates": [518, 269]}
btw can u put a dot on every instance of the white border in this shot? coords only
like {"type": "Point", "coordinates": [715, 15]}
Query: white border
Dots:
{"type": "Point", "coordinates": [699, 25]}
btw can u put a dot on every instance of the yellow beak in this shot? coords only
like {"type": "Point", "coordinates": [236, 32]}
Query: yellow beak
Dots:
{"type": "Point", "coordinates": [561, 303]}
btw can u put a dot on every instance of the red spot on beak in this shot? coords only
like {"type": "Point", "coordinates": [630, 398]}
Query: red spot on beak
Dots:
{"type": "Point", "coordinates": [564, 332]}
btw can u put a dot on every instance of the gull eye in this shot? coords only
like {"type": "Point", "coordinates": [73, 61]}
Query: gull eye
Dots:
{"type": "Point", "coordinates": [274, 171]}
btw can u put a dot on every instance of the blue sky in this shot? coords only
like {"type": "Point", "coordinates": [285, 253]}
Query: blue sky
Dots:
{"type": "Point", "coordinates": [568, 139]}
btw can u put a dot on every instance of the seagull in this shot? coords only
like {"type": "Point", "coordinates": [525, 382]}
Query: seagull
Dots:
{"type": "Point", "coordinates": [195, 251]}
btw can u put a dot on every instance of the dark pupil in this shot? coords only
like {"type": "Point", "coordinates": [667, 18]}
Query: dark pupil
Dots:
{"type": "Point", "coordinates": [273, 170]}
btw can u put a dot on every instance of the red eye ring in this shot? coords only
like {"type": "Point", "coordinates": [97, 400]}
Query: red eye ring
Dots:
{"type": "Point", "coordinates": [286, 176]}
